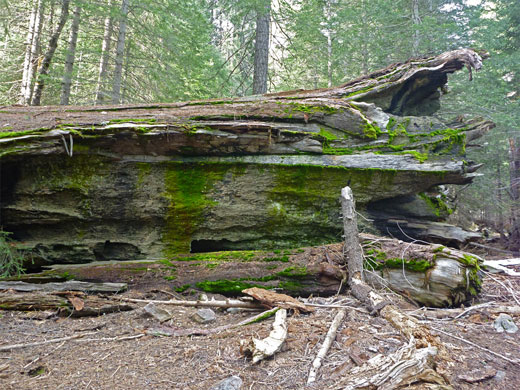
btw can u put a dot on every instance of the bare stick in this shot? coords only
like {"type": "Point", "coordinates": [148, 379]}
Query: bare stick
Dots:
{"type": "Point", "coordinates": [212, 303]}
{"type": "Point", "coordinates": [52, 341]}
{"type": "Point", "coordinates": [165, 331]}
{"type": "Point", "coordinates": [478, 346]}
{"type": "Point", "coordinates": [331, 336]}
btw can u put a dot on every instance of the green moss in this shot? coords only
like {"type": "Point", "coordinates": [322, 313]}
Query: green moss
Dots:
{"type": "Point", "coordinates": [77, 173]}
{"type": "Point", "coordinates": [377, 260]}
{"type": "Point", "coordinates": [263, 317]}
{"type": "Point", "coordinates": [144, 171]}
{"type": "Point", "coordinates": [359, 92]}
{"type": "Point", "coordinates": [12, 134]}
{"type": "Point", "coordinates": [226, 287]}
{"type": "Point", "coordinates": [308, 108]}
{"type": "Point", "coordinates": [421, 157]}
{"type": "Point", "coordinates": [438, 206]}
{"type": "Point", "coordinates": [187, 189]}
{"type": "Point", "coordinates": [327, 135]}
{"type": "Point", "coordinates": [371, 131]}
{"type": "Point", "coordinates": [182, 288]}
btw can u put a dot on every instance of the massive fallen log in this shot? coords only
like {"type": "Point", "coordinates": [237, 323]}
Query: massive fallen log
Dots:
{"type": "Point", "coordinates": [428, 274]}
{"type": "Point", "coordinates": [153, 180]}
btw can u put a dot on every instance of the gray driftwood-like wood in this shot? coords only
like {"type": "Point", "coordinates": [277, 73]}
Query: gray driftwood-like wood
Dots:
{"type": "Point", "coordinates": [352, 248]}
{"type": "Point", "coordinates": [63, 304]}
{"type": "Point", "coordinates": [415, 362]}
{"type": "Point", "coordinates": [70, 285]}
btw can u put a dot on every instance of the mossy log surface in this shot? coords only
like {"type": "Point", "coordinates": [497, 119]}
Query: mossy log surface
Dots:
{"type": "Point", "coordinates": [148, 181]}
{"type": "Point", "coordinates": [431, 275]}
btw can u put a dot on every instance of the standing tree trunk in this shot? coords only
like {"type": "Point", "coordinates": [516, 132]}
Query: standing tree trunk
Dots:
{"type": "Point", "coordinates": [416, 19]}
{"type": "Point", "coordinates": [29, 40]}
{"type": "Point", "coordinates": [500, 204]}
{"type": "Point", "coordinates": [120, 53]}
{"type": "Point", "coordinates": [514, 191]}
{"type": "Point", "coordinates": [43, 70]}
{"type": "Point", "coordinates": [328, 32]}
{"type": "Point", "coordinates": [262, 50]}
{"type": "Point", "coordinates": [35, 54]}
{"type": "Point", "coordinates": [69, 62]}
{"type": "Point", "coordinates": [103, 62]}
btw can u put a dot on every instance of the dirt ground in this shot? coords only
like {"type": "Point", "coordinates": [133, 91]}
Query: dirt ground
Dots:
{"type": "Point", "coordinates": [108, 356]}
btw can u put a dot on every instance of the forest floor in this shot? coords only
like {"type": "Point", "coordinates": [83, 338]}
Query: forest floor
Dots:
{"type": "Point", "coordinates": [109, 357]}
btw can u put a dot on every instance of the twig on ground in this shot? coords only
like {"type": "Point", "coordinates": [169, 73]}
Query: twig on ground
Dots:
{"type": "Point", "coordinates": [213, 303]}
{"type": "Point", "coordinates": [477, 346]}
{"type": "Point", "coordinates": [331, 336]}
{"type": "Point", "coordinates": [509, 290]}
{"type": "Point", "coordinates": [166, 331]}
{"type": "Point", "coordinates": [38, 343]}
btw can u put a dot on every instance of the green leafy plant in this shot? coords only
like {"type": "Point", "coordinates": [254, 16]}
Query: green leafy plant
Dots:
{"type": "Point", "coordinates": [11, 259]}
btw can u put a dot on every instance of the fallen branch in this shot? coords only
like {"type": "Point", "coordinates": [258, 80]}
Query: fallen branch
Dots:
{"type": "Point", "coordinates": [168, 331]}
{"type": "Point", "coordinates": [213, 303]}
{"type": "Point", "coordinates": [36, 344]}
{"type": "Point", "coordinates": [478, 346]}
{"type": "Point", "coordinates": [331, 336]}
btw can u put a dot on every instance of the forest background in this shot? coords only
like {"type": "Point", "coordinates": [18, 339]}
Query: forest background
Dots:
{"type": "Point", "coordinates": [90, 52]}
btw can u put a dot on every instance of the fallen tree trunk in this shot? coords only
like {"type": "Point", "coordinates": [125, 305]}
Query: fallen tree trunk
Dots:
{"type": "Point", "coordinates": [187, 171]}
{"type": "Point", "coordinates": [429, 274]}
{"type": "Point", "coordinates": [74, 306]}
{"type": "Point", "coordinates": [70, 285]}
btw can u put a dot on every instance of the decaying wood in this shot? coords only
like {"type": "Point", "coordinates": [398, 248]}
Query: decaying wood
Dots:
{"type": "Point", "coordinates": [501, 265]}
{"type": "Point", "coordinates": [329, 339]}
{"type": "Point", "coordinates": [272, 299]}
{"type": "Point", "coordinates": [352, 249]}
{"type": "Point", "coordinates": [87, 305]}
{"type": "Point", "coordinates": [448, 280]}
{"type": "Point", "coordinates": [406, 366]}
{"type": "Point", "coordinates": [261, 349]}
{"type": "Point", "coordinates": [70, 285]}
{"type": "Point", "coordinates": [413, 363]}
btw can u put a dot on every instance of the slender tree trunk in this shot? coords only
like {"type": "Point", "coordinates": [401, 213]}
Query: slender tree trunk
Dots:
{"type": "Point", "coordinates": [35, 53]}
{"type": "Point", "coordinates": [261, 50]}
{"type": "Point", "coordinates": [47, 59]}
{"type": "Point", "coordinates": [500, 204]}
{"type": "Point", "coordinates": [364, 47]}
{"type": "Point", "coordinates": [28, 50]}
{"type": "Point", "coordinates": [514, 190]}
{"type": "Point", "coordinates": [69, 62]}
{"type": "Point", "coordinates": [416, 19]}
{"type": "Point", "coordinates": [120, 54]}
{"type": "Point", "coordinates": [126, 70]}
{"type": "Point", "coordinates": [77, 84]}
{"type": "Point", "coordinates": [328, 14]}
{"type": "Point", "coordinates": [103, 62]}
